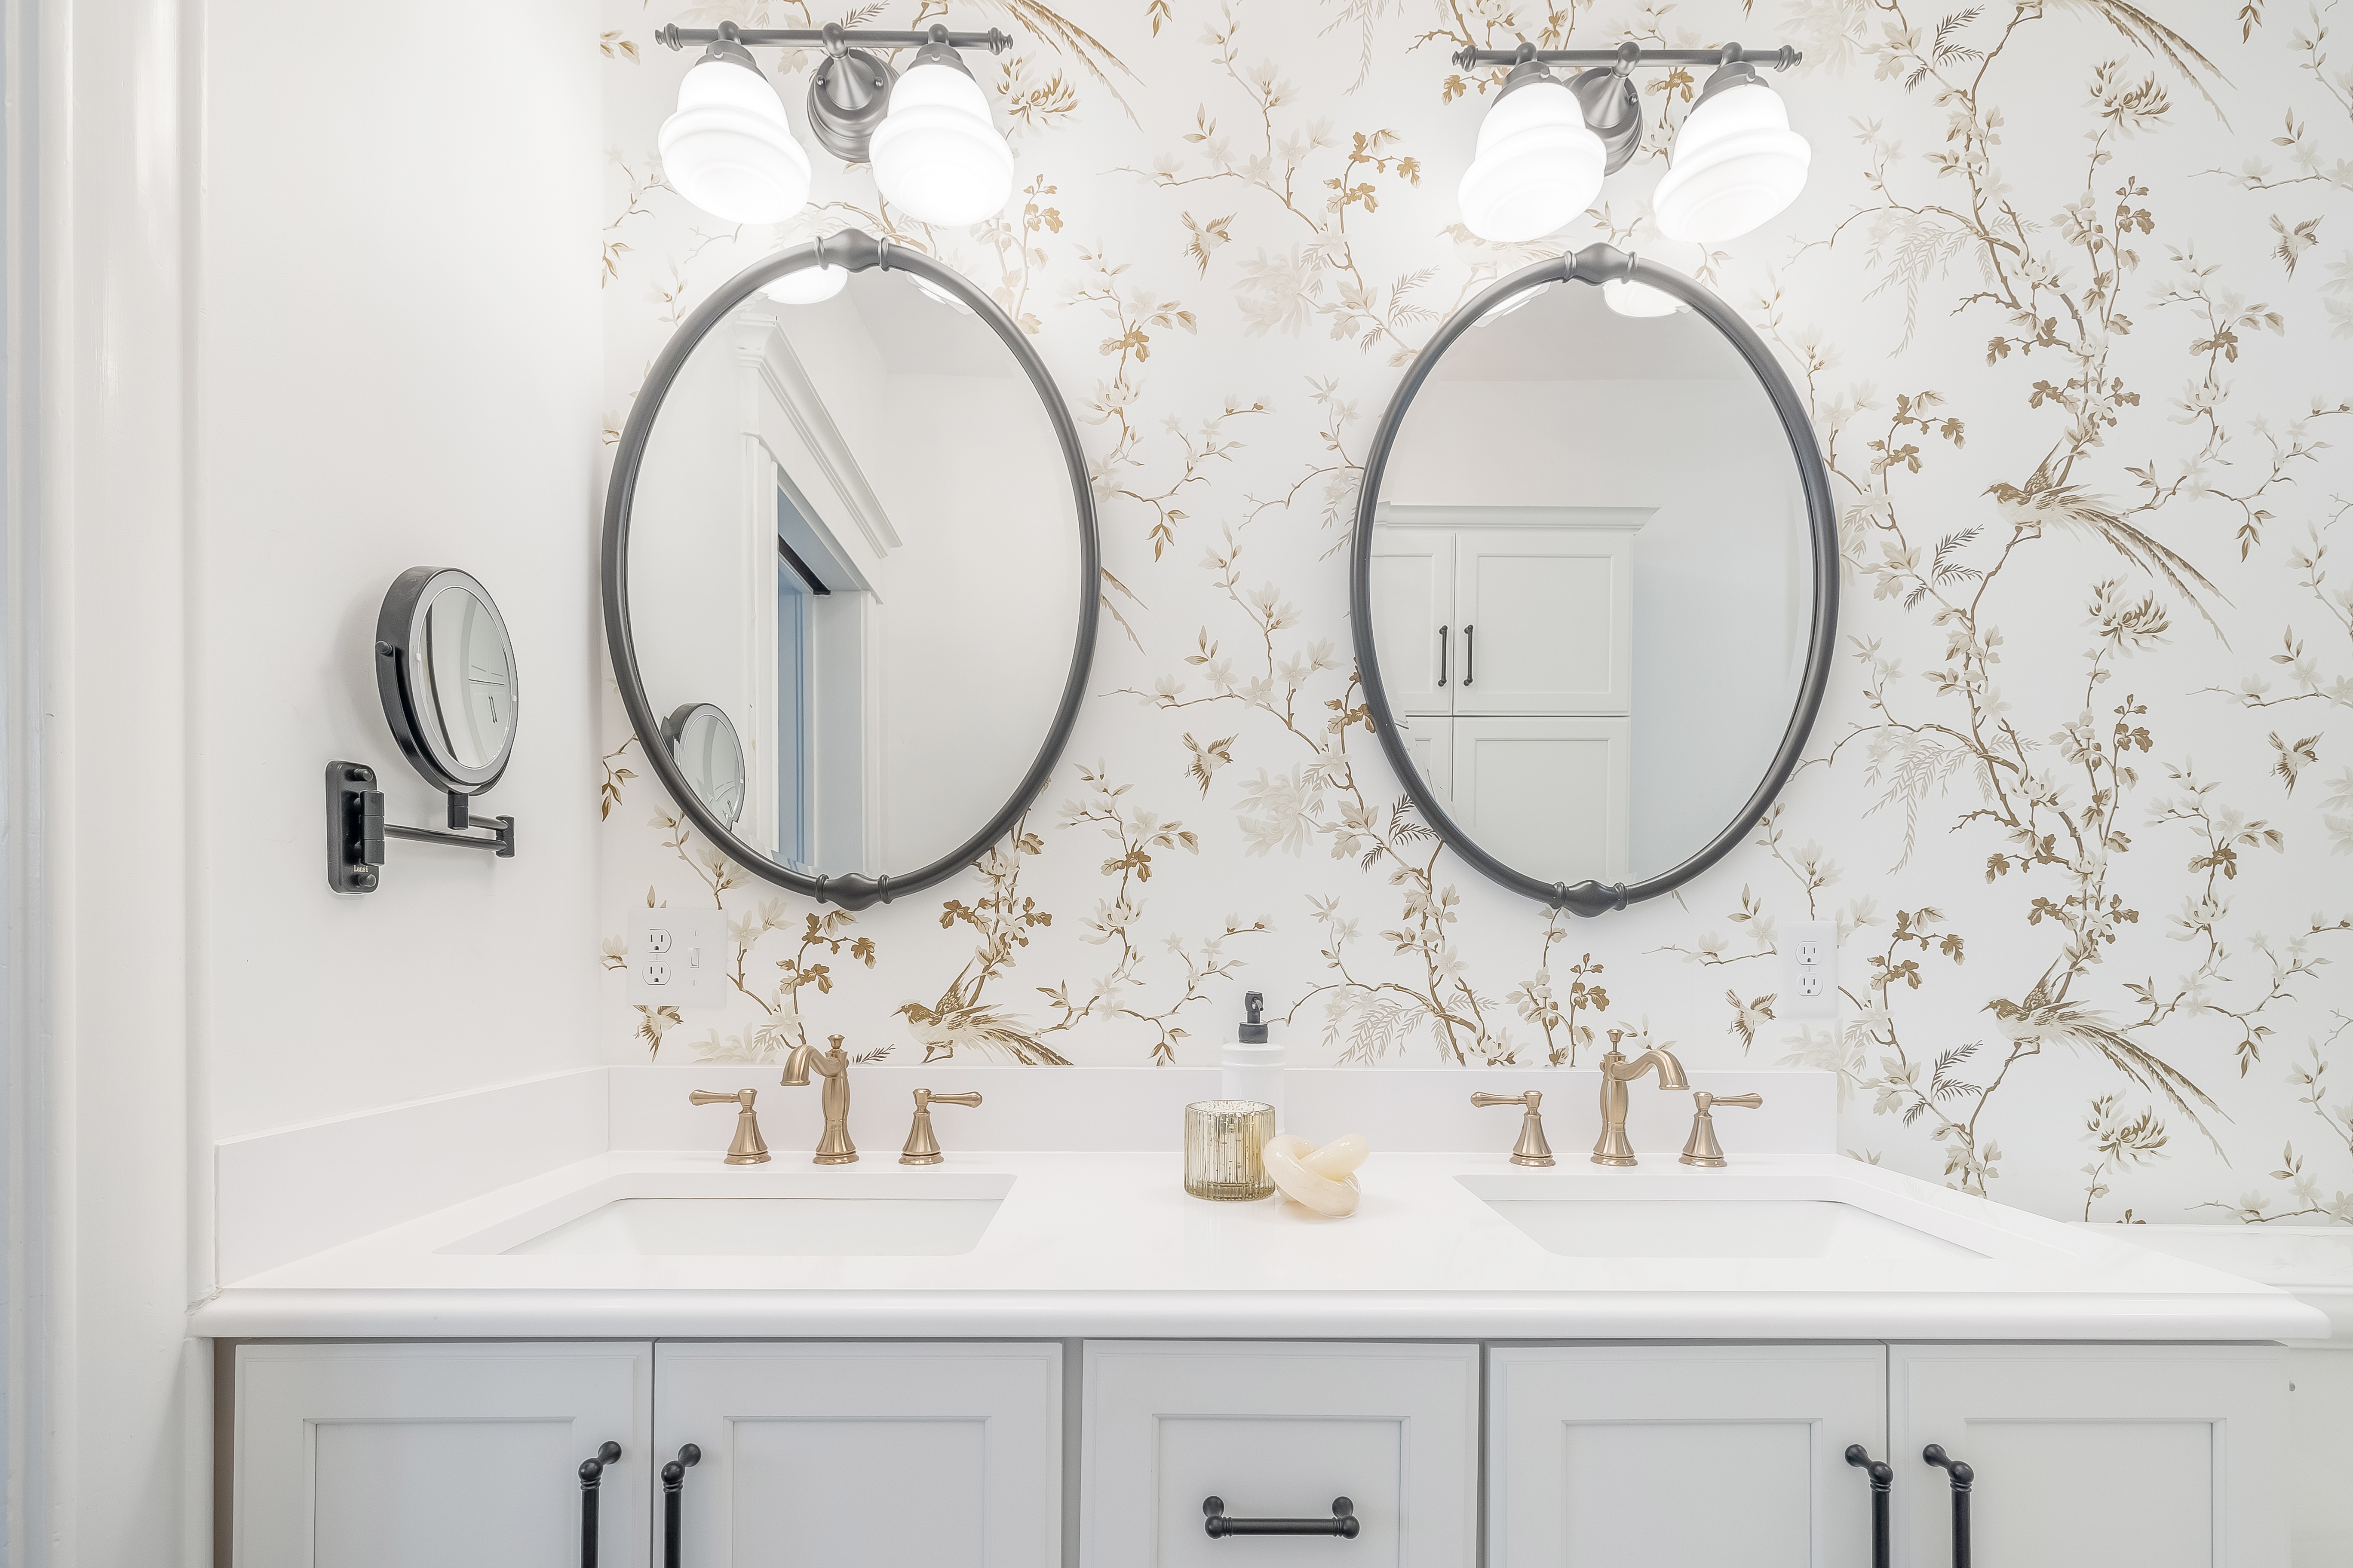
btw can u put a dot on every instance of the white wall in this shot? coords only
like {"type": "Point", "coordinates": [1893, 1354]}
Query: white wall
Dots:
{"type": "Point", "coordinates": [320, 304]}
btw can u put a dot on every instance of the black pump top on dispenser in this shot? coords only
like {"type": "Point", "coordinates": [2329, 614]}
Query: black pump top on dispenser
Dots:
{"type": "Point", "coordinates": [1254, 1030]}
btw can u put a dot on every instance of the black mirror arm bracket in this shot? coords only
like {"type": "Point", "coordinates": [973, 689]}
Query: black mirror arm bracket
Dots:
{"type": "Point", "coordinates": [356, 830]}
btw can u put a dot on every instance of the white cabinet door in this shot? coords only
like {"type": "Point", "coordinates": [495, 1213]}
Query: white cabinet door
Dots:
{"type": "Point", "coordinates": [2158, 1455]}
{"type": "Point", "coordinates": [1544, 621]}
{"type": "Point", "coordinates": [1547, 796]}
{"type": "Point", "coordinates": [1412, 591]}
{"type": "Point", "coordinates": [460, 1456]}
{"type": "Point", "coordinates": [1610, 1456]}
{"type": "Point", "coordinates": [876, 1455]}
{"type": "Point", "coordinates": [1279, 1431]}
{"type": "Point", "coordinates": [1429, 741]}
{"type": "Point", "coordinates": [2320, 1463]}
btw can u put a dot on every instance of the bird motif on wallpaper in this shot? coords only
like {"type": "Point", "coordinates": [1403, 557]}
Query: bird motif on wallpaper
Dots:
{"type": "Point", "coordinates": [2293, 243]}
{"type": "Point", "coordinates": [956, 1023]}
{"type": "Point", "coordinates": [1207, 760]}
{"type": "Point", "coordinates": [1747, 1017]}
{"type": "Point", "coordinates": [1206, 238]}
{"type": "Point", "coordinates": [2292, 758]}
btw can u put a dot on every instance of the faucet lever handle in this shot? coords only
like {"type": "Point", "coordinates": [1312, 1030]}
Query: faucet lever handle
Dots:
{"type": "Point", "coordinates": [1701, 1148]}
{"type": "Point", "coordinates": [748, 1148]}
{"type": "Point", "coordinates": [1532, 1148]}
{"type": "Point", "coordinates": [923, 1144]}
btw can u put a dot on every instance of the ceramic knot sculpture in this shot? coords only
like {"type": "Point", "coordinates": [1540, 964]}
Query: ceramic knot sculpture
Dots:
{"type": "Point", "coordinates": [1321, 1179]}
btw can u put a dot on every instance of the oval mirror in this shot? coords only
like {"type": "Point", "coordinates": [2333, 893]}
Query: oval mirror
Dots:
{"type": "Point", "coordinates": [446, 671]}
{"type": "Point", "coordinates": [1595, 581]}
{"type": "Point", "coordinates": [850, 577]}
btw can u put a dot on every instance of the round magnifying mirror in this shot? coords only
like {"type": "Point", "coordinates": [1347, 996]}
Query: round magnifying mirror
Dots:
{"type": "Point", "coordinates": [705, 746]}
{"type": "Point", "coordinates": [1596, 579]}
{"type": "Point", "coordinates": [446, 671]}
{"type": "Point", "coordinates": [850, 524]}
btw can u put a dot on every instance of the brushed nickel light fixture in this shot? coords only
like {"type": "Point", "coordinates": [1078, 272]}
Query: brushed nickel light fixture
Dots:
{"type": "Point", "coordinates": [1546, 145]}
{"type": "Point", "coordinates": [730, 150]}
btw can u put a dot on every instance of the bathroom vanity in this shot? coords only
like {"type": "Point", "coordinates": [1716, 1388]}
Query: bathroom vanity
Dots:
{"type": "Point", "coordinates": [1040, 1354]}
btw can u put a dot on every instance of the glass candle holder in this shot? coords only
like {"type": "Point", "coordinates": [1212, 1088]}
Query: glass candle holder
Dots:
{"type": "Point", "coordinates": [1224, 1139]}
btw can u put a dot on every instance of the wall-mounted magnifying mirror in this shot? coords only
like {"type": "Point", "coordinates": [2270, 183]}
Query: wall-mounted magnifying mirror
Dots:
{"type": "Point", "coordinates": [446, 670]}
{"type": "Point", "coordinates": [850, 542]}
{"type": "Point", "coordinates": [705, 744]}
{"type": "Point", "coordinates": [1595, 576]}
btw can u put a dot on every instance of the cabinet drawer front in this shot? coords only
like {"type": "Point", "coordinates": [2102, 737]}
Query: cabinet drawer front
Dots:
{"type": "Point", "coordinates": [1609, 1454]}
{"type": "Point", "coordinates": [883, 1456]}
{"type": "Point", "coordinates": [1279, 1430]}
{"type": "Point", "coordinates": [2160, 1455]}
{"type": "Point", "coordinates": [463, 1456]}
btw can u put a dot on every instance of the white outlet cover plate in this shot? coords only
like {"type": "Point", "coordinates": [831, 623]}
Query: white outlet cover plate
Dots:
{"type": "Point", "coordinates": [1819, 938]}
{"type": "Point", "coordinates": [678, 958]}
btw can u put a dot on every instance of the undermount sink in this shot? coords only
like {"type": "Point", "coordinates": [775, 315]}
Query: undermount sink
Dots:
{"type": "Point", "coordinates": [1713, 1227]}
{"type": "Point", "coordinates": [760, 1214]}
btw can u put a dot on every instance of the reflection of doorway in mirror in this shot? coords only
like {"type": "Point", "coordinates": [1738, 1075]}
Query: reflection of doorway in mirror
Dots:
{"type": "Point", "coordinates": [1505, 641]}
{"type": "Point", "coordinates": [793, 627]}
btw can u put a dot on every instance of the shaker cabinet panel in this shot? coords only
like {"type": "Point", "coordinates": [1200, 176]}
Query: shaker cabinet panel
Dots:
{"type": "Point", "coordinates": [2160, 1455]}
{"type": "Point", "coordinates": [462, 1456]}
{"type": "Point", "coordinates": [1279, 1431]}
{"type": "Point", "coordinates": [1549, 797]}
{"type": "Point", "coordinates": [881, 1455]}
{"type": "Point", "coordinates": [1412, 589]}
{"type": "Point", "coordinates": [1544, 620]}
{"type": "Point", "coordinates": [1600, 1455]}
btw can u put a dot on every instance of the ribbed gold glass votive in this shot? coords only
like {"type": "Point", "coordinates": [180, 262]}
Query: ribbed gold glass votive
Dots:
{"type": "Point", "coordinates": [1223, 1141]}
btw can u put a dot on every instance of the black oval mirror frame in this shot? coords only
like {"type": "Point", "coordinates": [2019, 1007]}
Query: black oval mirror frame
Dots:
{"type": "Point", "coordinates": [1596, 265]}
{"type": "Point", "coordinates": [852, 251]}
{"type": "Point", "coordinates": [404, 678]}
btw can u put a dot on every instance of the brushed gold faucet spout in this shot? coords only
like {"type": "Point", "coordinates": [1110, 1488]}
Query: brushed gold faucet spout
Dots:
{"type": "Point", "coordinates": [1617, 1072]}
{"type": "Point", "coordinates": [835, 1147]}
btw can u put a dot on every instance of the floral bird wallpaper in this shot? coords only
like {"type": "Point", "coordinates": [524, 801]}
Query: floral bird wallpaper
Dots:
{"type": "Point", "coordinates": [2070, 293]}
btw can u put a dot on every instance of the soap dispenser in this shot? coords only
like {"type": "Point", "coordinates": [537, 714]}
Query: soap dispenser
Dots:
{"type": "Point", "coordinates": [1252, 1067]}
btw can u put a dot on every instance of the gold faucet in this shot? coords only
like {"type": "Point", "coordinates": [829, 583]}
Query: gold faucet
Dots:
{"type": "Point", "coordinates": [835, 1148]}
{"type": "Point", "coordinates": [1701, 1148]}
{"type": "Point", "coordinates": [748, 1149]}
{"type": "Point", "coordinates": [1617, 1072]}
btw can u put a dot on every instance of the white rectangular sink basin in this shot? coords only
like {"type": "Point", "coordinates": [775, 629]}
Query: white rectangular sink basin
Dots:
{"type": "Point", "coordinates": [758, 1213]}
{"type": "Point", "coordinates": [1714, 1228]}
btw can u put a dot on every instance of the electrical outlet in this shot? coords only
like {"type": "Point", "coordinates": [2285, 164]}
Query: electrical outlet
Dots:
{"type": "Point", "coordinates": [1809, 970]}
{"type": "Point", "coordinates": [678, 958]}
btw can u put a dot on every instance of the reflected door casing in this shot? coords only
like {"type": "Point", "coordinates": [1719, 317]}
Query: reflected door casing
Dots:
{"type": "Point", "coordinates": [460, 1456]}
{"type": "Point", "coordinates": [1279, 1430]}
{"type": "Point", "coordinates": [1607, 1455]}
{"type": "Point", "coordinates": [877, 1454]}
{"type": "Point", "coordinates": [2157, 1456]}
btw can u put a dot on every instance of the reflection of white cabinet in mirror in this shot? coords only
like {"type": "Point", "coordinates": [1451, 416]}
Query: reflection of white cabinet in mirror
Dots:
{"type": "Point", "coordinates": [1506, 639]}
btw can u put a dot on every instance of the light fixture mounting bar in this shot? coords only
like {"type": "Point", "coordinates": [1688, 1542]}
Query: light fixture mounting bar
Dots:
{"type": "Point", "coordinates": [1625, 55]}
{"type": "Point", "coordinates": [832, 38]}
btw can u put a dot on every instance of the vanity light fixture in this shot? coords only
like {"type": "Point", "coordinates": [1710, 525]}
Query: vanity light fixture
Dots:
{"type": "Point", "coordinates": [1546, 145]}
{"type": "Point", "coordinates": [809, 286]}
{"type": "Point", "coordinates": [935, 152]}
{"type": "Point", "coordinates": [1629, 298]}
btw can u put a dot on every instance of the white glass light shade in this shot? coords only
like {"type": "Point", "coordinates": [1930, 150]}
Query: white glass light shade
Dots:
{"type": "Point", "coordinates": [727, 149]}
{"type": "Point", "coordinates": [939, 296]}
{"type": "Point", "coordinates": [936, 153]}
{"type": "Point", "coordinates": [1629, 298]}
{"type": "Point", "coordinates": [1511, 303]}
{"type": "Point", "coordinates": [1737, 164]}
{"type": "Point", "coordinates": [1538, 164]}
{"type": "Point", "coordinates": [809, 286]}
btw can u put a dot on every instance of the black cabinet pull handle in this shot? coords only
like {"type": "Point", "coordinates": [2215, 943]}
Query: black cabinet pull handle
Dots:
{"type": "Point", "coordinates": [673, 1479]}
{"type": "Point", "coordinates": [1441, 656]}
{"type": "Point", "coordinates": [1963, 1478]}
{"type": "Point", "coordinates": [1882, 1476]}
{"type": "Point", "coordinates": [1469, 656]}
{"type": "Point", "coordinates": [592, 1477]}
{"type": "Point", "coordinates": [1341, 1523]}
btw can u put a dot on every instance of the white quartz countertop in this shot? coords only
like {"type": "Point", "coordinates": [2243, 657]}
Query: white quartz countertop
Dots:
{"type": "Point", "coordinates": [1108, 1244]}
